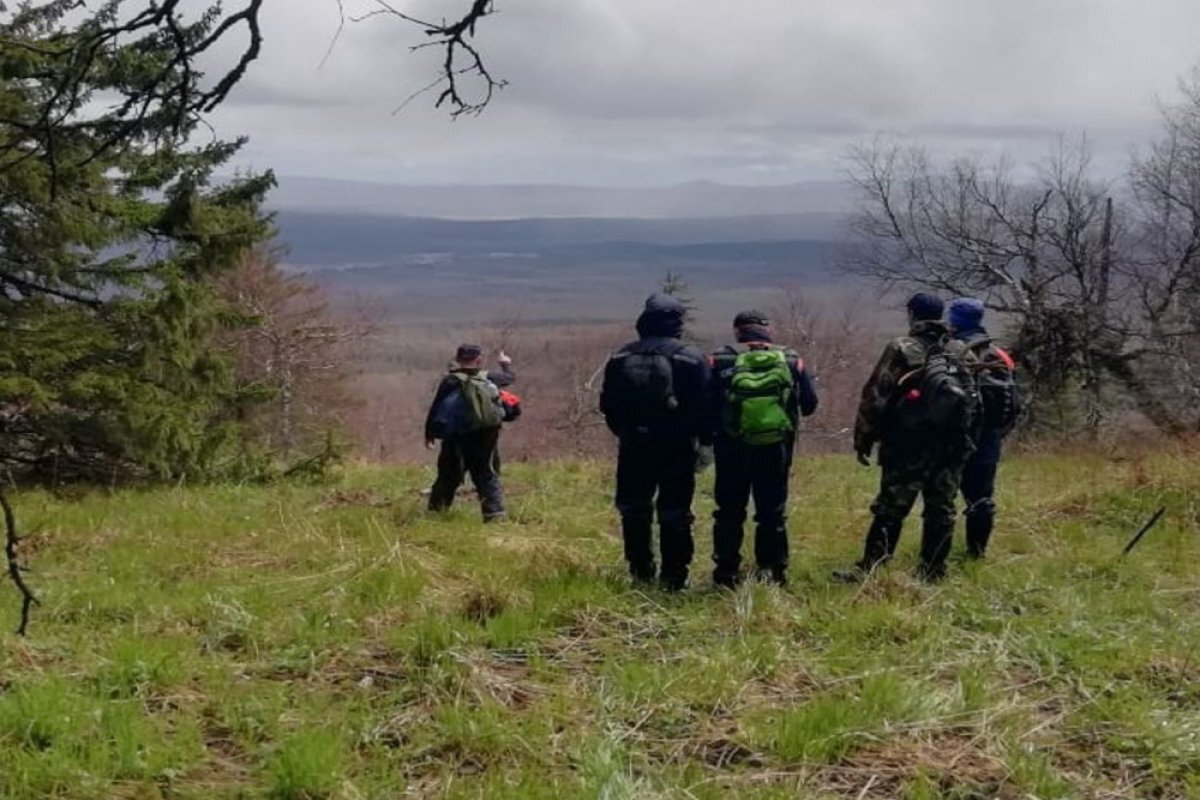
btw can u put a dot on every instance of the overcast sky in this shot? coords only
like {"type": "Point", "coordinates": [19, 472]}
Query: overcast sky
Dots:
{"type": "Point", "coordinates": [651, 92]}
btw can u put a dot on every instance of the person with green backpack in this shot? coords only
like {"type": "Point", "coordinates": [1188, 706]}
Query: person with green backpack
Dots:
{"type": "Point", "coordinates": [466, 415]}
{"type": "Point", "coordinates": [759, 392]}
{"type": "Point", "coordinates": [919, 406]}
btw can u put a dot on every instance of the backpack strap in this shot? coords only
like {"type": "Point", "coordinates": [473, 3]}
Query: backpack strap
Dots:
{"type": "Point", "coordinates": [915, 350]}
{"type": "Point", "coordinates": [1008, 361]}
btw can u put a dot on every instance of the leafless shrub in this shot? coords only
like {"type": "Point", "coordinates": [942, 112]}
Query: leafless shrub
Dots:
{"type": "Point", "coordinates": [295, 347]}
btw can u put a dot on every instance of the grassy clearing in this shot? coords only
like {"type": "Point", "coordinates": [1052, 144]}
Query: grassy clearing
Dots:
{"type": "Point", "coordinates": [335, 642]}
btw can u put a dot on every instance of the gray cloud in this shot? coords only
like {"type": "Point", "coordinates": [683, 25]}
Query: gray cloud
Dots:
{"type": "Point", "coordinates": [659, 91]}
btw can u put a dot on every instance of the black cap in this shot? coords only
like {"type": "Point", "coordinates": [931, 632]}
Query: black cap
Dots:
{"type": "Point", "coordinates": [468, 352]}
{"type": "Point", "coordinates": [925, 307]}
{"type": "Point", "coordinates": [751, 317]}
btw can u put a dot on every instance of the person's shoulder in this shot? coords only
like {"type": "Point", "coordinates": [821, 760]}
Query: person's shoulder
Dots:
{"type": "Point", "coordinates": [687, 352]}
{"type": "Point", "coordinates": [793, 357]}
{"type": "Point", "coordinates": [625, 349]}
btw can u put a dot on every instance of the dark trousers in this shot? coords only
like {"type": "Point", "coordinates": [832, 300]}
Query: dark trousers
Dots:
{"type": "Point", "coordinates": [472, 454]}
{"type": "Point", "coordinates": [936, 477]}
{"type": "Point", "coordinates": [979, 487]}
{"type": "Point", "coordinates": [978, 490]}
{"type": "Point", "coordinates": [745, 471]}
{"type": "Point", "coordinates": [656, 473]}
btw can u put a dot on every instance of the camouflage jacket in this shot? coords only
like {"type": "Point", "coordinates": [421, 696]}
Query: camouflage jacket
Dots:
{"type": "Point", "coordinates": [901, 356]}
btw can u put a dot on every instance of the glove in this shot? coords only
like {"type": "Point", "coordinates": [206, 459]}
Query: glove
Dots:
{"type": "Point", "coordinates": [704, 457]}
{"type": "Point", "coordinates": [862, 449]}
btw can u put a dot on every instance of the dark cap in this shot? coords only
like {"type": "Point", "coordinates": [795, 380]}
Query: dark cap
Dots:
{"type": "Point", "coordinates": [925, 307]}
{"type": "Point", "coordinates": [751, 317]}
{"type": "Point", "coordinates": [468, 352]}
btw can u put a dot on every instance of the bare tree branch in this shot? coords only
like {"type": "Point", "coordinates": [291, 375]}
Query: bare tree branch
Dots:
{"type": "Point", "coordinates": [72, 62]}
{"type": "Point", "coordinates": [15, 569]}
{"type": "Point", "coordinates": [461, 58]}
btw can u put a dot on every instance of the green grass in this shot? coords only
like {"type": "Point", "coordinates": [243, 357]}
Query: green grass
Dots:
{"type": "Point", "coordinates": [333, 641]}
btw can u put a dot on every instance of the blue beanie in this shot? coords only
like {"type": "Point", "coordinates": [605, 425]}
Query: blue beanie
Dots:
{"type": "Point", "coordinates": [965, 314]}
{"type": "Point", "coordinates": [925, 307]}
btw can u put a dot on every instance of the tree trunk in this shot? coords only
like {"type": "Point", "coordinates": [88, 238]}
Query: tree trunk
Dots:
{"type": "Point", "coordinates": [1148, 403]}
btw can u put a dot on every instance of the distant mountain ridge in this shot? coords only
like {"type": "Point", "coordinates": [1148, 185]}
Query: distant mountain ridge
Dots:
{"type": "Point", "coordinates": [316, 239]}
{"type": "Point", "coordinates": [499, 202]}
{"type": "Point", "coordinates": [558, 252]}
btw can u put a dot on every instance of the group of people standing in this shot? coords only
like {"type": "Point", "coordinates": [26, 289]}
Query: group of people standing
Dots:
{"type": "Point", "coordinates": [937, 406]}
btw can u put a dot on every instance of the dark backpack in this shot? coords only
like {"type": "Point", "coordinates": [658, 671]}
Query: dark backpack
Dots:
{"type": "Point", "coordinates": [939, 397]}
{"type": "Point", "coordinates": [999, 396]}
{"type": "Point", "coordinates": [646, 389]}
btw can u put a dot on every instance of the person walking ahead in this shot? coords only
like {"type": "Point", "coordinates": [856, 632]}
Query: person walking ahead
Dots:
{"type": "Point", "coordinates": [918, 406]}
{"type": "Point", "coordinates": [653, 400]}
{"type": "Point", "coordinates": [1000, 405]}
{"type": "Point", "coordinates": [466, 415]}
{"type": "Point", "coordinates": [759, 392]}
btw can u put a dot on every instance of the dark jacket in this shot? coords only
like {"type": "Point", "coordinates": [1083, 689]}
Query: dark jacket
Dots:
{"type": "Point", "coordinates": [659, 329]}
{"type": "Point", "coordinates": [901, 356]}
{"type": "Point", "coordinates": [504, 378]}
{"type": "Point", "coordinates": [804, 391]}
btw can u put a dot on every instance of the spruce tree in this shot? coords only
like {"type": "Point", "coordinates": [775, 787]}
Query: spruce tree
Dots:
{"type": "Point", "coordinates": [112, 233]}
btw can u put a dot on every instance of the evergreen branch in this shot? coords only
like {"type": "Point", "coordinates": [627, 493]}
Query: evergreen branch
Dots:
{"type": "Point", "coordinates": [29, 286]}
{"type": "Point", "coordinates": [171, 92]}
{"type": "Point", "coordinates": [11, 543]}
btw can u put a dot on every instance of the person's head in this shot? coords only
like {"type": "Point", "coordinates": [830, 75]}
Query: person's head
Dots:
{"type": "Point", "coordinates": [752, 326]}
{"type": "Point", "coordinates": [965, 314]}
{"type": "Point", "coordinates": [923, 307]}
{"type": "Point", "coordinates": [662, 316]}
{"type": "Point", "coordinates": [469, 356]}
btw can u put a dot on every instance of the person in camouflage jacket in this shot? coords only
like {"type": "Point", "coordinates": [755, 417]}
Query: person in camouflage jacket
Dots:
{"type": "Point", "coordinates": [913, 463]}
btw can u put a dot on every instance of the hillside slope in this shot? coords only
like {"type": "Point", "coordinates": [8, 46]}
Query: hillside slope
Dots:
{"type": "Point", "coordinates": [333, 641]}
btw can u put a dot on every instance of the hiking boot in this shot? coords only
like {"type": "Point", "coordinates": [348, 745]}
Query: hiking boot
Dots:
{"type": "Point", "coordinates": [773, 575]}
{"type": "Point", "coordinates": [643, 574]}
{"type": "Point", "coordinates": [979, 531]}
{"type": "Point", "coordinates": [935, 547]}
{"type": "Point", "coordinates": [882, 537]}
{"type": "Point", "coordinates": [724, 579]}
{"type": "Point", "coordinates": [931, 573]}
{"type": "Point", "coordinates": [674, 583]}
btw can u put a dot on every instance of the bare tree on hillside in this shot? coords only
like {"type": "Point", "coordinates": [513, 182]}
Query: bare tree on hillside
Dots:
{"type": "Point", "coordinates": [295, 346]}
{"type": "Point", "coordinates": [1050, 253]}
{"type": "Point", "coordinates": [1166, 187]}
{"type": "Point", "coordinates": [838, 345]}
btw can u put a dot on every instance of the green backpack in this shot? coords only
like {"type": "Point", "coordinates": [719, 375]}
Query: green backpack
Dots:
{"type": "Point", "coordinates": [481, 406]}
{"type": "Point", "coordinates": [758, 396]}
